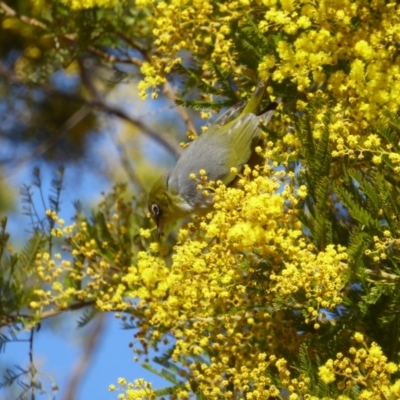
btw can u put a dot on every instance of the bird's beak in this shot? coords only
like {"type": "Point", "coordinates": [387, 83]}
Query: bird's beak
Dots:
{"type": "Point", "coordinates": [159, 228]}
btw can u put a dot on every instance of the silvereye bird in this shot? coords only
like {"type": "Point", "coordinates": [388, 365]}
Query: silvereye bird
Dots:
{"type": "Point", "coordinates": [224, 145]}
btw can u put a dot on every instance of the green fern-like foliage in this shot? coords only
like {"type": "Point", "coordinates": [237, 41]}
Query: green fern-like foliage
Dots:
{"type": "Point", "coordinates": [16, 283]}
{"type": "Point", "coordinates": [320, 212]}
{"type": "Point", "coordinates": [357, 207]}
{"type": "Point", "coordinates": [252, 45]}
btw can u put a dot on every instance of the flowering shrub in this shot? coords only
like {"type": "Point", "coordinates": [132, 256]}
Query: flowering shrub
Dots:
{"type": "Point", "coordinates": [289, 287]}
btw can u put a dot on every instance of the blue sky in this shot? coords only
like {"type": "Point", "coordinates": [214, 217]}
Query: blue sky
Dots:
{"type": "Point", "coordinates": [58, 350]}
{"type": "Point", "coordinates": [58, 346]}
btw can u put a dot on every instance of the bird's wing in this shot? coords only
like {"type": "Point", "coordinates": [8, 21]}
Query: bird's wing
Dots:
{"type": "Point", "coordinates": [242, 136]}
{"type": "Point", "coordinates": [216, 151]}
{"type": "Point", "coordinates": [230, 113]}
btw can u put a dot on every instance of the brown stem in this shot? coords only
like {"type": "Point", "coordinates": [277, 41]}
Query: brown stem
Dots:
{"type": "Point", "coordinates": [182, 112]}
{"type": "Point", "coordinates": [90, 343]}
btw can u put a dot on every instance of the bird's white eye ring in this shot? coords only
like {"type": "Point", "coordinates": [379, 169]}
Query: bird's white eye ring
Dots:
{"type": "Point", "coordinates": [155, 210]}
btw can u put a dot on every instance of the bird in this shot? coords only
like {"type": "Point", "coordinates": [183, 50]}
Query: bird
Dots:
{"type": "Point", "coordinates": [224, 147]}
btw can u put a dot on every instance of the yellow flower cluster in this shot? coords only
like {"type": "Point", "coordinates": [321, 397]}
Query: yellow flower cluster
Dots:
{"type": "Point", "coordinates": [321, 276]}
{"type": "Point", "coordinates": [234, 273]}
{"type": "Point", "coordinates": [255, 375]}
{"type": "Point", "coordinates": [226, 272]}
{"type": "Point", "coordinates": [191, 26]}
{"type": "Point", "coordinates": [82, 4]}
{"type": "Point", "coordinates": [347, 47]}
{"type": "Point", "coordinates": [340, 54]}
{"type": "Point", "coordinates": [139, 390]}
{"type": "Point", "coordinates": [383, 245]}
{"type": "Point", "coordinates": [372, 145]}
{"type": "Point", "coordinates": [88, 277]}
{"type": "Point", "coordinates": [365, 366]}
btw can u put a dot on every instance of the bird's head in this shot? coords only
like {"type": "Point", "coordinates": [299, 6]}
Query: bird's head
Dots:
{"type": "Point", "coordinates": [165, 204]}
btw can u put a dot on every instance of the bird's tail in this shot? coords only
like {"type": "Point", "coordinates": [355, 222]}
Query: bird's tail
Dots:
{"type": "Point", "coordinates": [254, 102]}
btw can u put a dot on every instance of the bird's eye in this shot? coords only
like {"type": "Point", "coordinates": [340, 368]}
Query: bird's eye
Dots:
{"type": "Point", "coordinates": [155, 210]}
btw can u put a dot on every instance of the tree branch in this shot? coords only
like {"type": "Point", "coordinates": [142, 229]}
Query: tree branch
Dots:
{"type": "Point", "coordinates": [9, 12]}
{"type": "Point", "coordinates": [101, 105]}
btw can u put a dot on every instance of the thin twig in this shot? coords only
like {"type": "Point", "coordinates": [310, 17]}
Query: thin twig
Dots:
{"type": "Point", "coordinates": [133, 44]}
{"type": "Point", "coordinates": [113, 59]}
{"type": "Point", "coordinates": [90, 343]}
{"type": "Point", "coordinates": [126, 164]}
{"type": "Point", "coordinates": [32, 368]}
{"type": "Point", "coordinates": [9, 12]}
{"type": "Point", "coordinates": [12, 319]}
{"type": "Point", "coordinates": [383, 274]}
{"type": "Point", "coordinates": [182, 112]}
